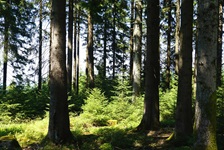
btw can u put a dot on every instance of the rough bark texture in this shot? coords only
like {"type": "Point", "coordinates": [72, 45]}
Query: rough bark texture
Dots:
{"type": "Point", "coordinates": [89, 54]}
{"type": "Point", "coordinates": [58, 130]}
{"type": "Point", "coordinates": [205, 109]}
{"type": "Point", "coordinates": [150, 120]}
{"type": "Point", "coordinates": [177, 35]}
{"type": "Point", "coordinates": [137, 47]}
{"type": "Point", "coordinates": [184, 122]}
{"type": "Point", "coordinates": [70, 46]}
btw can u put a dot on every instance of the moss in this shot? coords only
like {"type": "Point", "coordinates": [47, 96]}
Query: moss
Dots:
{"type": "Point", "coordinates": [211, 112]}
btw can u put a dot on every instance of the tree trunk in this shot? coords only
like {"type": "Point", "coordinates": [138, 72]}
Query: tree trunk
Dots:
{"type": "Point", "coordinates": [205, 108]}
{"type": "Point", "coordinates": [131, 40]}
{"type": "Point", "coordinates": [168, 53]}
{"type": "Point", "coordinates": [137, 47]}
{"type": "Point", "coordinates": [184, 122]}
{"type": "Point", "coordinates": [150, 120]}
{"type": "Point", "coordinates": [58, 130]}
{"type": "Point", "coordinates": [89, 53]}
{"type": "Point", "coordinates": [219, 47]}
{"type": "Point", "coordinates": [75, 47]}
{"type": "Point", "coordinates": [177, 35]}
{"type": "Point", "coordinates": [105, 48]}
{"type": "Point", "coordinates": [6, 48]}
{"type": "Point", "coordinates": [40, 48]}
{"type": "Point", "coordinates": [114, 41]}
{"type": "Point", "coordinates": [70, 46]}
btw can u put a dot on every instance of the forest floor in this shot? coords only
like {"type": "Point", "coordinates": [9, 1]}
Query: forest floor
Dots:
{"type": "Point", "coordinates": [117, 139]}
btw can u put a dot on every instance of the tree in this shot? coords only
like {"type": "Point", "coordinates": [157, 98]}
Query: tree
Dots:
{"type": "Point", "coordinates": [6, 47]}
{"type": "Point", "coordinates": [40, 47]}
{"type": "Point", "coordinates": [183, 127]}
{"type": "Point", "coordinates": [168, 53]}
{"type": "Point", "coordinates": [70, 46]}
{"type": "Point", "coordinates": [205, 108]}
{"type": "Point", "coordinates": [131, 40]}
{"type": "Point", "coordinates": [219, 45]}
{"type": "Point", "coordinates": [137, 47]}
{"type": "Point", "coordinates": [150, 119]}
{"type": "Point", "coordinates": [58, 130]}
{"type": "Point", "coordinates": [177, 35]}
{"type": "Point", "coordinates": [89, 53]}
{"type": "Point", "coordinates": [17, 28]}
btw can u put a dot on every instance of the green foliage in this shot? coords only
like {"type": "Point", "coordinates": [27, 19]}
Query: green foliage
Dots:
{"type": "Point", "coordinates": [98, 109]}
{"type": "Point", "coordinates": [23, 102]}
{"type": "Point", "coordinates": [94, 107]}
{"type": "Point", "coordinates": [168, 104]}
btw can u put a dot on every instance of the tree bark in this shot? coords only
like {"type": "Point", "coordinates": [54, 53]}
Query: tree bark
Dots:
{"type": "Point", "coordinates": [177, 35]}
{"type": "Point", "coordinates": [131, 40]}
{"type": "Point", "coordinates": [150, 119]}
{"type": "Point", "coordinates": [219, 47]}
{"type": "Point", "coordinates": [137, 47]}
{"type": "Point", "coordinates": [168, 53]}
{"type": "Point", "coordinates": [205, 108]}
{"type": "Point", "coordinates": [58, 129]}
{"type": "Point", "coordinates": [70, 46]}
{"type": "Point", "coordinates": [184, 122]}
{"type": "Point", "coordinates": [40, 48]}
{"type": "Point", "coordinates": [89, 53]}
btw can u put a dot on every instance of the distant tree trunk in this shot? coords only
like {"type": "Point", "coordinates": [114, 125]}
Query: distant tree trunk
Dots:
{"type": "Point", "coordinates": [177, 35]}
{"type": "Point", "coordinates": [89, 53]}
{"type": "Point", "coordinates": [75, 47]}
{"type": "Point", "coordinates": [184, 122]}
{"type": "Point", "coordinates": [105, 48]}
{"type": "Point", "coordinates": [219, 47]}
{"type": "Point", "coordinates": [70, 46]}
{"type": "Point", "coordinates": [58, 130]}
{"type": "Point", "coordinates": [114, 41]}
{"type": "Point", "coordinates": [137, 47]}
{"type": "Point", "coordinates": [77, 54]}
{"type": "Point", "coordinates": [131, 40]}
{"type": "Point", "coordinates": [150, 120]}
{"type": "Point", "coordinates": [168, 53]}
{"type": "Point", "coordinates": [40, 48]}
{"type": "Point", "coordinates": [205, 108]}
{"type": "Point", "coordinates": [6, 48]}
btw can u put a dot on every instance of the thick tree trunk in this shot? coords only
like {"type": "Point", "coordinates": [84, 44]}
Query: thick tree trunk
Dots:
{"type": "Point", "coordinates": [137, 47]}
{"type": "Point", "coordinates": [58, 130]}
{"type": "Point", "coordinates": [205, 108]}
{"type": "Point", "coordinates": [70, 46]}
{"type": "Point", "coordinates": [150, 120]}
{"type": "Point", "coordinates": [177, 35]}
{"type": "Point", "coordinates": [89, 54]}
{"type": "Point", "coordinates": [40, 48]}
{"type": "Point", "coordinates": [184, 122]}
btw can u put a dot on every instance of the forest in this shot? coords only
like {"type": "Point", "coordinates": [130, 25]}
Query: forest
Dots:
{"type": "Point", "coordinates": [111, 75]}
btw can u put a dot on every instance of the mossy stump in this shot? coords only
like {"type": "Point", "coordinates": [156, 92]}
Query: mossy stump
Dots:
{"type": "Point", "coordinates": [9, 143]}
